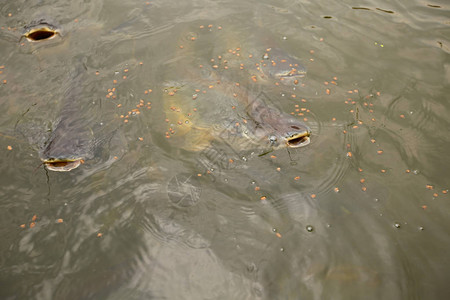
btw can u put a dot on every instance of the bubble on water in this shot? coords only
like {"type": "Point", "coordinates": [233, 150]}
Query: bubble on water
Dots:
{"type": "Point", "coordinates": [281, 249]}
{"type": "Point", "coordinates": [283, 94]}
{"type": "Point", "coordinates": [226, 180]}
{"type": "Point", "coordinates": [284, 38]}
{"type": "Point", "coordinates": [416, 172]}
{"type": "Point", "coordinates": [328, 225]}
{"type": "Point", "coordinates": [397, 225]}
{"type": "Point", "coordinates": [421, 228]}
{"type": "Point", "coordinates": [376, 199]}
{"type": "Point", "coordinates": [274, 229]}
{"type": "Point", "coordinates": [309, 228]}
{"type": "Point", "coordinates": [244, 158]}
{"type": "Point", "coordinates": [187, 121]}
{"type": "Point", "coordinates": [116, 73]}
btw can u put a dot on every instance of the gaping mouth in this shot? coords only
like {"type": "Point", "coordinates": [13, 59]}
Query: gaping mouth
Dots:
{"type": "Point", "coordinates": [40, 34]}
{"type": "Point", "coordinates": [63, 165]}
{"type": "Point", "coordinates": [299, 139]}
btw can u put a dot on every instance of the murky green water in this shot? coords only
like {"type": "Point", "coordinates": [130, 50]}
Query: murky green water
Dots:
{"type": "Point", "coordinates": [177, 199]}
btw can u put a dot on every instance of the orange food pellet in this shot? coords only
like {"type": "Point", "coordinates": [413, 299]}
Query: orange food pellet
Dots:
{"type": "Point", "coordinates": [336, 189]}
{"type": "Point", "coordinates": [362, 180]}
{"type": "Point", "coordinates": [430, 187]}
{"type": "Point", "coordinates": [424, 206]}
{"type": "Point", "coordinates": [34, 218]}
{"type": "Point", "coordinates": [141, 139]}
{"type": "Point", "coordinates": [263, 198]}
{"type": "Point", "coordinates": [99, 234]}
{"type": "Point", "coordinates": [363, 188]}
{"type": "Point", "coordinates": [297, 178]}
{"type": "Point", "coordinates": [349, 154]}
{"type": "Point", "coordinates": [313, 196]}
{"type": "Point", "coordinates": [59, 221]}
{"type": "Point", "coordinates": [22, 225]}
{"type": "Point", "coordinates": [32, 224]}
{"type": "Point", "coordinates": [9, 148]}
{"type": "Point", "coordinates": [444, 192]}
{"type": "Point", "coordinates": [278, 234]}
{"type": "Point", "coordinates": [380, 151]}
{"type": "Point", "coordinates": [435, 194]}
{"type": "Point", "coordinates": [328, 91]}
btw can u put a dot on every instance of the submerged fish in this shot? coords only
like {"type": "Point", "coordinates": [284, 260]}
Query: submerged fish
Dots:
{"type": "Point", "coordinates": [235, 110]}
{"type": "Point", "coordinates": [71, 141]}
{"type": "Point", "coordinates": [243, 120]}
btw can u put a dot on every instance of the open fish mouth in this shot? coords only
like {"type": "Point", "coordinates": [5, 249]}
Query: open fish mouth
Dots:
{"type": "Point", "coordinates": [62, 165]}
{"type": "Point", "coordinates": [298, 139]}
{"type": "Point", "coordinates": [42, 33]}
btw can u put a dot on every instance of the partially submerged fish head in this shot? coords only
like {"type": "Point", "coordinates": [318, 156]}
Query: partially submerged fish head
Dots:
{"type": "Point", "coordinates": [281, 129]}
{"type": "Point", "coordinates": [41, 30]}
{"type": "Point", "coordinates": [67, 149]}
{"type": "Point", "coordinates": [281, 66]}
{"type": "Point", "coordinates": [289, 133]}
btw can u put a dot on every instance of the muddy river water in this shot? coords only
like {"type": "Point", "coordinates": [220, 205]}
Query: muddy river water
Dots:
{"type": "Point", "coordinates": [224, 149]}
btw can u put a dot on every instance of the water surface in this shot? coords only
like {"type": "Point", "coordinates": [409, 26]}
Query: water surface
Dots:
{"type": "Point", "coordinates": [180, 204]}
